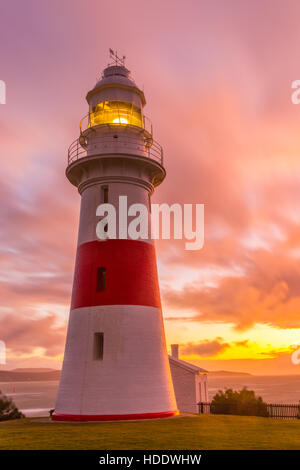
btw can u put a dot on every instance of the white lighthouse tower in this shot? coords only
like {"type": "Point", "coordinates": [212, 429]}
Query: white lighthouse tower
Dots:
{"type": "Point", "coordinates": [115, 364]}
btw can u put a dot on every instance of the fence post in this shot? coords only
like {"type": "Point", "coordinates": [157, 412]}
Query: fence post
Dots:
{"type": "Point", "coordinates": [200, 407]}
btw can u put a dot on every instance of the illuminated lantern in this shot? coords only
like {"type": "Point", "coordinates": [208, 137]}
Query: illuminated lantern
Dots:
{"type": "Point", "coordinates": [115, 364]}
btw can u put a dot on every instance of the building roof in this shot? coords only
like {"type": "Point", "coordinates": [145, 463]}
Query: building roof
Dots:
{"type": "Point", "coordinates": [186, 365]}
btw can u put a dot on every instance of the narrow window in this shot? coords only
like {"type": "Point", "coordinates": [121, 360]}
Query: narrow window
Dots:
{"type": "Point", "coordinates": [105, 194]}
{"type": "Point", "coordinates": [98, 347]}
{"type": "Point", "coordinates": [101, 279]}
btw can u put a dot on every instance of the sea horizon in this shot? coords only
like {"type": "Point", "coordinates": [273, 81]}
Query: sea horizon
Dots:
{"type": "Point", "coordinates": [35, 399]}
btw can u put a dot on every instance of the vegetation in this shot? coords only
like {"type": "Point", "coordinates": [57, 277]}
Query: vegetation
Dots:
{"type": "Point", "coordinates": [8, 409]}
{"type": "Point", "coordinates": [244, 403]}
{"type": "Point", "coordinates": [189, 432]}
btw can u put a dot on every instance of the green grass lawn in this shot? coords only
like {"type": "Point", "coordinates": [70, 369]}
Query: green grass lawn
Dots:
{"type": "Point", "coordinates": [199, 432]}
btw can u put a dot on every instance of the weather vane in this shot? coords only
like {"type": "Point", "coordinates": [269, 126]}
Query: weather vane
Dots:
{"type": "Point", "coordinates": [115, 59]}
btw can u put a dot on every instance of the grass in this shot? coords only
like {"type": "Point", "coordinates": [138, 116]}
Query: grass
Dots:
{"type": "Point", "coordinates": [194, 432]}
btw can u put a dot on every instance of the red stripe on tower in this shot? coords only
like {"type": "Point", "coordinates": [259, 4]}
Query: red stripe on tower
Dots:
{"type": "Point", "coordinates": [130, 274]}
{"type": "Point", "coordinates": [87, 418]}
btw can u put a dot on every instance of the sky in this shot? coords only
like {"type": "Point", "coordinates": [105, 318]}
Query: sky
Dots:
{"type": "Point", "coordinates": [217, 78]}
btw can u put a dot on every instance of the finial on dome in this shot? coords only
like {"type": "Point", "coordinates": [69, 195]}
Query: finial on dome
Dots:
{"type": "Point", "coordinates": [115, 59]}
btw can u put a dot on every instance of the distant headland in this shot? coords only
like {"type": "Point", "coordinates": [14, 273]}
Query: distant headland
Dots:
{"type": "Point", "coordinates": [215, 373]}
{"type": "Point", "coordinates": [46, 374]}
{"type": "Point", "coordinates": [29, 375]}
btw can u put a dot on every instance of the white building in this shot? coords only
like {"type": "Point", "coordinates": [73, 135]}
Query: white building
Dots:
{"type": "Point", "coordinates": [189, 381]}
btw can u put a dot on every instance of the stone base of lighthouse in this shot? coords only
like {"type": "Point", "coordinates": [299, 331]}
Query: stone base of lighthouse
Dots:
{"type": "Point", "coordinates": [116, 365]}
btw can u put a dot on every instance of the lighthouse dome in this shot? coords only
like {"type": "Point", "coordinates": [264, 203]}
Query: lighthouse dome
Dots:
{"type": "Point", "coordinates": [116, 83]}
{"type": "Point", "coordinates": [117, 74]}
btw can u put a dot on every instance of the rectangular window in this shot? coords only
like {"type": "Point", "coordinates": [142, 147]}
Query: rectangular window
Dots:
{"type": "Point", "coordinates": [98, 347]}
{"type": "Point", "coordinates": [101, 279]}
{"type": "Point", "coordinates": [105, 194]}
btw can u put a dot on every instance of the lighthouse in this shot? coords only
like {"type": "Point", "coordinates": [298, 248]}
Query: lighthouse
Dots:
{"type": "Point", "coordinates": [115, 364]}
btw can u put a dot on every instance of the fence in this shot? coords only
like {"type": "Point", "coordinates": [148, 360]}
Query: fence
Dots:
{"type": "Point", "coordinates": [275, 410]}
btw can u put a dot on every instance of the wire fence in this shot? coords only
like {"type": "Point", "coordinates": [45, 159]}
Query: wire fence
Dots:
{"type": "Point", "coordinates": [274, 410]}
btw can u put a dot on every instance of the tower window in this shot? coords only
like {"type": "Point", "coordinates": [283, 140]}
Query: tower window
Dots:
{"type": "Point", "coordinates": [105, 194]}
{"type": "Point", "coordinates": [98, 347]}
{"type": "Point", "coordinates": [101, 279]}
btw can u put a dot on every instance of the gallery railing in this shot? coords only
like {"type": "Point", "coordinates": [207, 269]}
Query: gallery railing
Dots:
{"type": "Point", "coordinates": [110, 143]}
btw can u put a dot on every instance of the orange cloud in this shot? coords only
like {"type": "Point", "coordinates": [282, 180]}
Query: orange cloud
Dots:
{"type": "Point", "coordinates": [204, 348]}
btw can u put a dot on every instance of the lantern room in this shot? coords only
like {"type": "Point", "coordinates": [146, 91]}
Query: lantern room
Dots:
{"type": "Point", "coordinates": [116, 112]}
{"type": "Point", "coordinates": [116, 100]}
{"type": "Point", "coordinates": [115, 123]}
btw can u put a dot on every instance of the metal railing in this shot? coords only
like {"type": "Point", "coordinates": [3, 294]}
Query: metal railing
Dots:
{"type": "Point", "coordinates": [111, 143]}
{"type": "Point", "coordinates": [275, 410]}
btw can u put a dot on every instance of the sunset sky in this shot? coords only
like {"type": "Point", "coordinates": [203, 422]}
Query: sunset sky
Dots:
{"type": "Point", "coordinates": [217, 78]}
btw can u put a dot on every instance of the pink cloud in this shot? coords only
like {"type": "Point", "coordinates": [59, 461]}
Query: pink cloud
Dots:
{"type": "Point", "coordinates": [219, 98]}
{"type": "Point", "coordinates": [24, 334]}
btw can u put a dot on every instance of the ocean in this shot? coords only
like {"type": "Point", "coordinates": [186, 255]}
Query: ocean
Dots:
{"type": "Point", "coordinates": [37, 398]}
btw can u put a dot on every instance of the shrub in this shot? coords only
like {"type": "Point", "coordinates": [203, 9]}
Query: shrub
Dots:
{"type": "Point", "coordinates": [244, 402]}
{"type": "Point", "coordinates": [8, 409]}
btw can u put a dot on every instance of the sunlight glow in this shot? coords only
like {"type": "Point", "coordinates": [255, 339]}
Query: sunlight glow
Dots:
{"type": "Point", "coordinates": [120, 121]}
